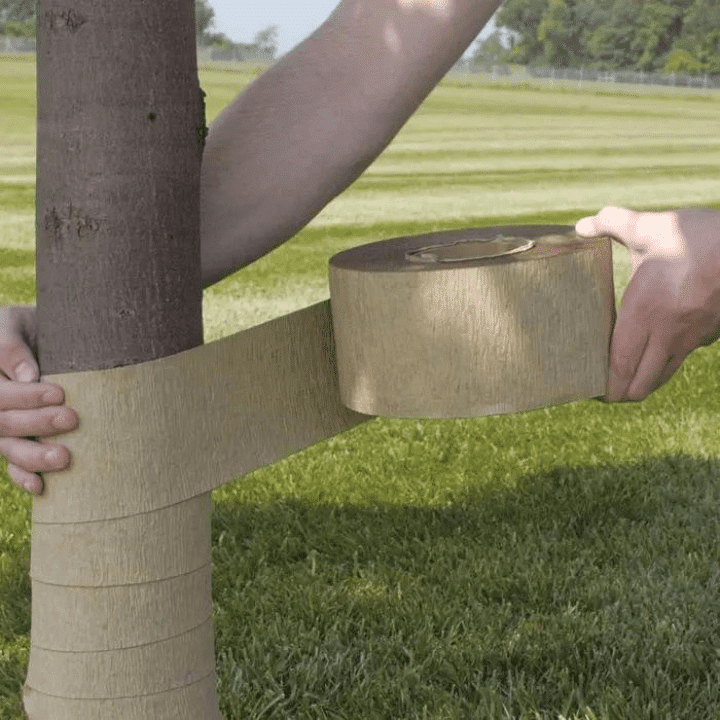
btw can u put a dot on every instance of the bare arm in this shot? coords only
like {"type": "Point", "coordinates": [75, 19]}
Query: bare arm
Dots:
{"type": "Point", "coordinates": [283, 149]}
{"type": "Point", "coordinates": [310, 125]}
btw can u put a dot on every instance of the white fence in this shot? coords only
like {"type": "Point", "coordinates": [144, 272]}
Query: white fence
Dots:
{"type": "Point", "coordinates": [236, 54]}
{"type": "Point", "coordinates": [16, 46]}
{"type": "Point", "coordinates": [250, 53]}
{"type": "Point", "coordinates": [626, 76]}
{"type": "Point", "coordinates": [676, 80]}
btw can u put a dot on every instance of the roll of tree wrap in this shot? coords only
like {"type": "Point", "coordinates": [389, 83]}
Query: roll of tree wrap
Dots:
{"type": "Point", "coordinates": [472, 322]}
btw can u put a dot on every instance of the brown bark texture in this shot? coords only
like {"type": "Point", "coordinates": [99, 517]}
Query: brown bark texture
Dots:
{"type": "Point", "coordinates": [120, 136]}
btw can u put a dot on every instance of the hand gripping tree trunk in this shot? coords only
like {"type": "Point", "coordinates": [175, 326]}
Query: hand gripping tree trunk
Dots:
{"type": "Point", "coordinates": [120, 135]}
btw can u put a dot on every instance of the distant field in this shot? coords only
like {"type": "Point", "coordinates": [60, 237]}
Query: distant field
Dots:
{"type": "Point", "coordinates": [472, 154]}
{"type": "Point", "coordinates": [561, 563]}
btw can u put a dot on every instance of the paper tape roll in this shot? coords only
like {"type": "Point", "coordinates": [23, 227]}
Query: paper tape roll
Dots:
{"type": "Point", "coordinates": [472, 322]}
{"type": "Point", "coordinates": [439, 325]}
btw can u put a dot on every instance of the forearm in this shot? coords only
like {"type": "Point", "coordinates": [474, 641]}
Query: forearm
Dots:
{"type": "Point", "coordinates": [310, 125]}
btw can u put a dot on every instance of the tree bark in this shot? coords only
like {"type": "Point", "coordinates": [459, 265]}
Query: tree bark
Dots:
{"type": "Point", "coordinates": [119, 143]}
{"type": "Point", "coordinates": [120, 136]}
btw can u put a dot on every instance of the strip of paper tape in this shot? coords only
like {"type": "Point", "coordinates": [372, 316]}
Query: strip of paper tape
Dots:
{"type": "Point", "coordinates": [120, 556]}
{"type": "Point", "coordinates": [191, 422]}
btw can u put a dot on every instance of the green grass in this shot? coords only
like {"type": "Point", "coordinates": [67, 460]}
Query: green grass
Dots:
{"type": "Point", "coordinates": [557, 563]}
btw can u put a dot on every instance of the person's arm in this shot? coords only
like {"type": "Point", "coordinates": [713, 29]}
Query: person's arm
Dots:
{"type": "Point", "coordinates": [310, 125]}
{"type": "Point", "coordinates": [286, 146]}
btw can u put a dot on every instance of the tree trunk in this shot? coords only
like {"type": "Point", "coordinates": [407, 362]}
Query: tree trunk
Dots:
{"type": "Point", "coordinates": [120, 135]}
{"type": "Point", "coordinates": [120, 131]}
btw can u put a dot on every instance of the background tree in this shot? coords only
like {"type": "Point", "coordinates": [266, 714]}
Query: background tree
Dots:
{"type": "Point", "coordinates": [659, 24]}
{"type": "Point", "coordinates": [204, 21]}
{"type": "Point", "coordinates": [490, 51]}
{"type": "Point", "coordinates": [698, 48]}
{"type": "Point", "coordinates": [16, 10]}
{"type": "Point", "coordinates": [653, 35]}
{"type": "Point", "coordinates": [609, 39]}
{"type": "Point", "coordinates": [267, 42]}
{"type": "Point", "coordinates": [17, 18]}
{"type": "Point", "coordinates": [559, 34]}
{"type": "Point", "coordinates": [523, 17]}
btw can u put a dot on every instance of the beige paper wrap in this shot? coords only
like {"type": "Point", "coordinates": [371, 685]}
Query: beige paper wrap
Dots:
{"type": "Point", "coordinates": [501, 320]}
{"type": "Point", "coordinates": [121, 572]}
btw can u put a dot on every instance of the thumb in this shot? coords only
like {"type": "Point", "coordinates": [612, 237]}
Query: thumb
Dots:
{"type": "Point", "coordinates": [586, 227]}
{"type": "Point", "coordinates": [621, 224]}
{"type": "Point", "coordinates": [17, 360]}
{"type": "Point", "coordinates": [18, 363]}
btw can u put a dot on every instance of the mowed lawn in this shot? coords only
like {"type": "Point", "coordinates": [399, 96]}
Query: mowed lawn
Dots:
{"type": "Point", "coordinates": [560, 563]}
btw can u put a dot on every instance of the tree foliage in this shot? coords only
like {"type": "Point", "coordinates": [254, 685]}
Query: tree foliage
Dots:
{"type": "Point", "coordinates": [16, 10]}
{"type": "Point", "coordinates": [267, 40]}
{"type": "Point", "coordinates": [204, 21]}
{"type": "Point", "coordinates": [17, 18]}
{"type": "Point", "coordinates": [651, 35]}
{"type": "Point", "coordinates": [490, 51]}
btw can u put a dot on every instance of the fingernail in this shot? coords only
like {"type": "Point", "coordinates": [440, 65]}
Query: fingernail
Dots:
{"type": "Point", "coordinates": [25, 372]}
{"type": "Point", "coordinates": [52, 456]}
{"type": "Point", "coordinates": [63, 422]}
{"type": "Point", "coordinates": [33, 486]}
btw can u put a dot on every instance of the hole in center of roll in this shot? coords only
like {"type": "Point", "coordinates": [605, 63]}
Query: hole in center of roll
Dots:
{"type": "Point", "coordinates": [463, 250]}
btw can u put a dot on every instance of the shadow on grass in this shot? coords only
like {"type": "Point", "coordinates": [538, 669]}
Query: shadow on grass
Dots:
{"type": "Point", "coordinates": [587, 587]}
{"type": "Point", "coordinates": [581, 588]}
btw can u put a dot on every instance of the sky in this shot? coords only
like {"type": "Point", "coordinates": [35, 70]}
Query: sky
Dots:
{"type": "Point", "coordinates": [242, 20]}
